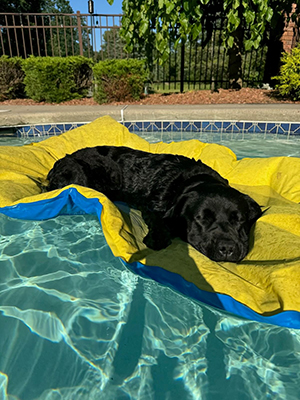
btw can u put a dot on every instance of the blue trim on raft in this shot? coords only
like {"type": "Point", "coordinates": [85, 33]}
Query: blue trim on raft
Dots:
{"type": "Point", "coordinates": [70, 201]}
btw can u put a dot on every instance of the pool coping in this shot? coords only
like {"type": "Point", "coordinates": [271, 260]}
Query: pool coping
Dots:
{"type": "Point", "coordinates": [288, 129]}
{"type": "Point", "coordinates": [16, 115]}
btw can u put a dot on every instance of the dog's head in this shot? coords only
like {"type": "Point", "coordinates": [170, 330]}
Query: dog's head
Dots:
{"type": "Point", "coordinates": [216, 220]}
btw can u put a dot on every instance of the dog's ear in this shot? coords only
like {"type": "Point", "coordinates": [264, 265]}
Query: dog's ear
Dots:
{"type": "Point", "coordinates": [178, 208]}
{"type": "Point", "coordinates": [255, 211]}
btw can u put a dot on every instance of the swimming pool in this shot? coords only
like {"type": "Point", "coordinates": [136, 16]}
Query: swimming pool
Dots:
{"type": "Point", "coordinates": [242, 144]}
{"type": "Point", "coordinates": [76, 324]}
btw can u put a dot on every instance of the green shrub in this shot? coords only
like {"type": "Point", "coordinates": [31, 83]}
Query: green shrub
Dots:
{"type": "Point", "coordinates": [11, 78]}
{"type": "Point", "coordinates": [57, 79]}
{"type": "Point", "coordinates": [119, 80]}
{"type": "Point", "coordinates": [289, 78]}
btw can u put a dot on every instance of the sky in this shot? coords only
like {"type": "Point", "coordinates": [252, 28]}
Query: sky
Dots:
{"type": "Point", "coordinates": [100, 6]}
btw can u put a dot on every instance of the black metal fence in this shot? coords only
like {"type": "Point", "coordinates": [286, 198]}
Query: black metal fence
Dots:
{"type": "Point", "coordinates": [206, 63]}
{"type": "Point", "coordinates": [203, 64]}
{"type": "Point", "coordinates": [56, 34]}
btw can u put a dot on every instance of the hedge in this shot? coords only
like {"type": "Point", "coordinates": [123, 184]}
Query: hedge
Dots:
{"type": "Point", "coordinates": [11, 78]}
{"type": "Point", "coordinates": [119, 80]}
{"type": "Point", "coordinates": [57, 79]}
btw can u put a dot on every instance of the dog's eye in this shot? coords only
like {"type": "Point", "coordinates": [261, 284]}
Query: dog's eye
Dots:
{"type": "Point", "coordinates": [234, 217]}
{"type": "Point", "coordinates": [207, 216]}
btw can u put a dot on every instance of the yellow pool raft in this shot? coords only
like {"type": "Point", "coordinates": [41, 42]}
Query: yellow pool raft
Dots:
{"type": "Point", "coordinates": [265, 286]}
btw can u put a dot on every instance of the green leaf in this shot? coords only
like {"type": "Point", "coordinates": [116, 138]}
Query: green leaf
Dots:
{"type": "Point", "coordinates": [249, 16]}
{"type": "Point", "coordinates": [184, 24]}
{"type": "Point", "coordinates": [236, 4]}
{"type": "Point", "coordinates": [160, 4]}
{"type": "Point", "coordinates": [233, 19]}
{"type": "Point", "coordinates": [143, 28]}
{"type": "Point", "coordinates": [226, 3]}
{"type": "Point", "coordinates": [198, 11]}
{"type": "Point", "coordinates": [256, 42]}
{"type": "Point", "coordinates": [177, 43]}
{"type": "Point", "coordinates": [248, 44]}
{"type": "Point", "coordinates": [196, 29]}
{"type": "Point", "coordinates": [170, 7]}
{"type": "Point", "coordinates": [269, 14]}
{"type": "Point", "coordinates": [161, 45]}
{"type": "Point", "coordinates": [230, 41]}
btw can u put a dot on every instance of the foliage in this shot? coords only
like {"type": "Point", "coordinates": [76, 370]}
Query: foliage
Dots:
{"type": "Point", "coordinates": [289, 78]}
{"type": "Point", "coordinates": [21, 6]}
{"type": "Point", "coordinates": [57, 6]}
{"type": "Point", "coordinates": [64, 42]}
{"type": "Point", "coordinates": [113, 45]}
{"type": "Point", "coordinates": [156, 22]}
{"type": "Point", "coordinates": [61, 43]}
{"type": "Point", "coordinates": [35, 6]}
{"type": "Point", "coordinates": [55, 79]}
{"type": "Point", "coordinates": [11, 78]}
{"type": "Point", "coordinates": [207, 68]}
{"type": "Point", "coordinates": [39, 42]}
{"type": "Point", "coordinates": [119, 80]}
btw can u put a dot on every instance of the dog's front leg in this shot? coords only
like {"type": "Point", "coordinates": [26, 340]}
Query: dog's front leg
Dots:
{"type": "Point", "coordinates": [159, 235]}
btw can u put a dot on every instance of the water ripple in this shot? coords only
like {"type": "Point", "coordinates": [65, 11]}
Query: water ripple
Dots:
{"type": "Point", "coordinates": [77, 325]}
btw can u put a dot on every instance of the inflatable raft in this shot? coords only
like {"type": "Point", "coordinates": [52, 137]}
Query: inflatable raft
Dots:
{"type": "Point", "coordinates": [265, 286]}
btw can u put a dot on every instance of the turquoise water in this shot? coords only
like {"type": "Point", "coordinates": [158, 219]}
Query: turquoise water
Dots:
{"type": "Point", "coordinates": [75, 323]}
{"type": "Point", "coordinates": [243, 145]}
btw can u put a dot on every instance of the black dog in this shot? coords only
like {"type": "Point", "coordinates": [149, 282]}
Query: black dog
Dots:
{"type": "Point", "coordinates": [178, 197]}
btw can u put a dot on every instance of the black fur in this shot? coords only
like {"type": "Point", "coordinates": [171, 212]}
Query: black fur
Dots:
{"type": "Point", "coordinates": [178, 197]}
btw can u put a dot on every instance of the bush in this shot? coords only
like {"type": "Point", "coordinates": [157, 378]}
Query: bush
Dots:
{"type": "Point", "coordinates": [119, 80]}
{"type": "Point", "coordinates": [57, 79]}
{"type": "Point", "coordinates": [11, 78]}
{"type": "Point", "coordinates": [289, 78]}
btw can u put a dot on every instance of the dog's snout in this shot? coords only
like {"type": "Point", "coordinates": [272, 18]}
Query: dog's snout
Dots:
{"type": "Point", "coordinates": [226, 249]}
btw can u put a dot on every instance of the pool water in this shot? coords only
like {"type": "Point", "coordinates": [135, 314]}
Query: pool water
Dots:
{"type": "Point", "coordinates": [75, 323]}
{"type": "Point", "coordinates": [243, 145]}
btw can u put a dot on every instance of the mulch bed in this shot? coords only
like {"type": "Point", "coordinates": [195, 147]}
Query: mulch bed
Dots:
{"type": "Point", "coordinates": [222, 96]}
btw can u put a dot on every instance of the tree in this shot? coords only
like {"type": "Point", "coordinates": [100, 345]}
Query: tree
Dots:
{"type": "Point", "coordinates": [156, 23]}
{"type": "Point", "coordinates": [44, 40]}
{"type": "Point", "coordinates": [113, 46]}
{"type": "Point", "coordinates": [57, 6]}
{"type": "Point", "coordinates": [20, 6]}
{"type": "Point", "coordinates": [35, 6]}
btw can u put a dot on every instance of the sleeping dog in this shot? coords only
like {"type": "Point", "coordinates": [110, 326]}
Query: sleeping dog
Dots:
{"type": "Point", "coordinates": [177, 196]}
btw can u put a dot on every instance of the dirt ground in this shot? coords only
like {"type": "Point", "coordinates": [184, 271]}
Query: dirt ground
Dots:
{"type": "Point", "coordinates": [222, 96]}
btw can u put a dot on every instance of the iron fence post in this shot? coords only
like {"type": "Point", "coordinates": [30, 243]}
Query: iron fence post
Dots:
{"type": "Point", "coordinates": [79, 33]}
{"type": "Point", "coordinates": [182, 67]}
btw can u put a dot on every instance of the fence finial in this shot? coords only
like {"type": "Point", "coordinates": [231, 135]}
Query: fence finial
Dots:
{"type": "Point", "coordinates": [91, 6]}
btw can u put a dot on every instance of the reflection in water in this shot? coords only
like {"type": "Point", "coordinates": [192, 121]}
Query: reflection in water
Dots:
{"type": "Point", "coordinates": [76, 324]}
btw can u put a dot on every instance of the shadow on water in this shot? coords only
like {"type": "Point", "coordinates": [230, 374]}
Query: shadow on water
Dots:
{"type": "Point", "coordinates": [164, 385]}
{"type": "Point", "coordinates": [131, 346]}
{"type": "Point", "coordinates": [72, 312]}
{"type": "Point", "coordinates": [130, 343]}
{"type": "Point", "coordinates": [130, 352]}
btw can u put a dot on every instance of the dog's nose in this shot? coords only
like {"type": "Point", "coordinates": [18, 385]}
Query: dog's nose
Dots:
{"type": "Point", "coordinates": [226, 249]}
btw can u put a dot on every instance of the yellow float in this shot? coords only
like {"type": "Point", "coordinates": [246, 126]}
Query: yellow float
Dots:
{"type": "Point", "coordinates": [265, 286]}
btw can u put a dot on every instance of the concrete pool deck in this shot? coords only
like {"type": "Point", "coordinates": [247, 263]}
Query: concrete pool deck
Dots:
{"type": "Point", "coordinates": [14, 115]}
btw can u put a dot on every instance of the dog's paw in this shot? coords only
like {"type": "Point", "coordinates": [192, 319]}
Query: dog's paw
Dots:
{"type": "Point", "coordinates": [156, 243]}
